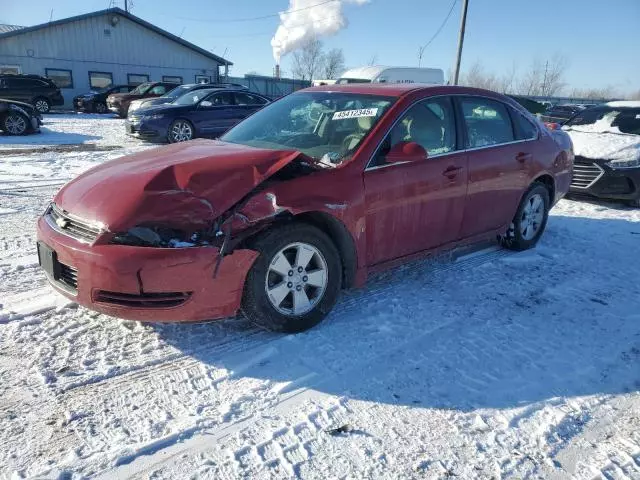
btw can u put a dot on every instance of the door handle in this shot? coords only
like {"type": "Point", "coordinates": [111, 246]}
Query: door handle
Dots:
{"type": "Point", "coordinates": [451, 172]}
{"type": "Point", "coordinates": [523, 157]}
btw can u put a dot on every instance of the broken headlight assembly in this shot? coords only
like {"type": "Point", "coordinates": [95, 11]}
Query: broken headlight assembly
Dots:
{"type": "Point", "coordinates": [158, 237]}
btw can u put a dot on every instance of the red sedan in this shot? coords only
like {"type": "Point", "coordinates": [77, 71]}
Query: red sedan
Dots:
{"type": "Point", "coordinates": [302, 199]}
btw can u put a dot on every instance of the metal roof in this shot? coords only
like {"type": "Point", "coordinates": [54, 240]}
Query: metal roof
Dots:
{"type": "Point", "coordinates": [118, 11]}
{"type": "Point", "coordinates": [9, 28]}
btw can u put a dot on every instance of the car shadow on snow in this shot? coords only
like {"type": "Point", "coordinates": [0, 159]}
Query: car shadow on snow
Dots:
{"type": "Point", "coordinates": [492, 329]}
{"type": "Point", "coordinates": [46, 137]}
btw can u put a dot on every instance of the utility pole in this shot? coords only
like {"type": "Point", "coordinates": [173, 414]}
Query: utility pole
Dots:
{"type": "Point", "coordinates": [463, 22]}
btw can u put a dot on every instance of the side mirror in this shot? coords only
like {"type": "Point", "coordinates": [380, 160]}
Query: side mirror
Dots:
{"type": "Point", "coordinates": [206, 103]}
{"type": "Point", "coordinates": [406, 152]}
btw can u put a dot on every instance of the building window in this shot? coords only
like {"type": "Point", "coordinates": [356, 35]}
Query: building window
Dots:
{"type": "Point", "coordinates": [15, 69]}
{"type": "Point", "coordinates": [203, 79]}
{"type": "Point", "coordinates": [62, 78]}
{"type": "Point", "coordinates": [107, 32]}
{"type": "Point", "coordinates": [137, 78]}
{"type": "Point", "coordinates": [170, 79]}
{"type": "Point", "coordinates": [100, 79]}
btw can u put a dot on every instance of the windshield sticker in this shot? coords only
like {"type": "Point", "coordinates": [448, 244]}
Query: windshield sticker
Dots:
{"type": "Point", "coordinates": [363, 112]}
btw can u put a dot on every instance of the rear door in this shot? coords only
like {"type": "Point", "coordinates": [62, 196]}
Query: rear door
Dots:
{"type": "Point", "coordinates": [215, 114]}
{"type": "Point", "coordinates": [498, 164]}
{"type": "Point", "coordinates": [17, 89]}
{"type": "Point", "coordinates": [417, 205]}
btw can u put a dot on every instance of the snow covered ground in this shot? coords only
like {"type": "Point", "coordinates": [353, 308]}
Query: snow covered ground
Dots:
{"type": "Point", "coordinates": [488, 365]}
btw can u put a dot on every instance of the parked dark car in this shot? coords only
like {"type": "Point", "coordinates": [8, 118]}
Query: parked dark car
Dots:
{"type": "Point", "coordinates": [96, 100]}
{"type": "Point", "coordinates": [119, 102]}
{"type": "Point", "coordinates": [39, 91]}
{"type": "Point", "coordinates": [606, 141]}
{"type": "Point", "coordinates": [169, 97]}
{"type": "Point", "coordinates": [199, 113]}
{"type": "Point", "coordinates": [531, 105]}
{"type": "Point", "coordinates": [286, 210]}
{"type": "Point", "coordinates": [18, 118]}
{"type": "Point", "coordinates": [560, 113]}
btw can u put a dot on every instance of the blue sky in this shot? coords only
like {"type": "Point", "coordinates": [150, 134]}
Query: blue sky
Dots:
{"type": "Point", "coordinates": [600, 38]}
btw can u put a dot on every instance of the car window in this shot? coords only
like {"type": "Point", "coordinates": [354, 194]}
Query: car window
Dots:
{"type": "Point", "coordinates": [158, 90]}
{"type": "Point", "coordinates": [124, 90]}
{"type": "Point", "coordinates": [525, 129]}
{"type": "Point", "coordinates": [248, 99]}
{"type": "Point", "coordinates": [221, 99]}
{"type": "Point", "coordinates": [487, 122]}
{"type": "Point", "coordinates": [429, 123]}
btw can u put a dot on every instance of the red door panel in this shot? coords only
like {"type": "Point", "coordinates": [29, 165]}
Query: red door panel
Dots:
{"type": "Point", "coordinates": [414, 206]}
{"type": "Point", "coordinates": [497, 178]}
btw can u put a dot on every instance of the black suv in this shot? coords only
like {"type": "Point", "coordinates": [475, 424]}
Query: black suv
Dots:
{"type": "Point", "coordinates": [39, 91]}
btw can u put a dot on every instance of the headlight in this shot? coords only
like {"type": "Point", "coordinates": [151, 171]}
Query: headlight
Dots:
{"type": "Point", "coordinates": [624, 163]}
{"type": "Point", "coordinates": [155, 116]}
{"type": "Point", "coordinates": [159, 237]}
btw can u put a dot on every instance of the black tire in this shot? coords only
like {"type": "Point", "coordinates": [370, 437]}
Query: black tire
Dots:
{"type": "Point", "coordinates": [100, 107]}
{"type": "Point", "coordinates": [172, 136]}
{"type": "Point", "coordinates": [256, 305]}
{"type": "Point", "coordinates": [15, 123]}
{"type": "Point", "coordinates": [514, 239]}
{"type": "Point", "coordinates": [42, 105]}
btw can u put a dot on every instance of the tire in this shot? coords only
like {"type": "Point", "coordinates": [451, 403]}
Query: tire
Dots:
{"type": "Point", "coordinates": [42, 105]}
{"type": "Point", "coordinates": [15, 124]}
{"type": "Point", "coordinates": [291, 287]}
{"type": "Point", "coordinates": [530, 219]}
{"type": "Point", "coordinates": [100, 107]}
{"type": "Point", "coordinates": [180, 131]}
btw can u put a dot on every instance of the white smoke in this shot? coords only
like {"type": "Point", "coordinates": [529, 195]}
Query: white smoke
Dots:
{"type": "Point", "coordinates": [307, 19]}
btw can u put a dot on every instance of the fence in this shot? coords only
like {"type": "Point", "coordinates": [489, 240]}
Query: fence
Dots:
{"type": "Point", "coordinates": [271, 87]}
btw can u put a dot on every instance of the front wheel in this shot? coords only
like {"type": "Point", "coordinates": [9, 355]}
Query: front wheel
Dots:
{"type": "Point", "coordinates": [295, 281]}
{"type": "Point", "coordinates": [530, 219]}
{"type": "Point", "coordinates": [15, 124]}
{"type": "Point", "coordinates": [180, 131]}
{"type": "Point", "coordinates": [42, 105]}
{"type": "Point", "coordinates": [100, 107]}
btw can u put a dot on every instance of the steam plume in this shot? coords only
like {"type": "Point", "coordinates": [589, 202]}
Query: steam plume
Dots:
{"type": "Point", "coordinates": [307, 19]}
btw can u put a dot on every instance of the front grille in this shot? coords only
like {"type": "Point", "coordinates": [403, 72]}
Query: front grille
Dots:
{"type": "Point", "coordinates": [144, 300]}
{"type": "Point", "coordinates": [585, 174]}
{"type": "Point", "coordinates": [68, 276]}
{"type": "Point", "coordinates": [71, 226]}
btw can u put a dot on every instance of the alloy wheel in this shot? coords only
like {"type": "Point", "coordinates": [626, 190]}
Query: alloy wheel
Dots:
{"type": "Point", "coordinates": [296, 279]}
{"type": "Point", "coordinates": [42, 106]}
{"type": "Point", "coordinates": [15, 124]}
{"type": "Point", "coordinates": [101, 108]}
{"type": "Point", "coordinates": [532, 217]}
{"type": "Point", "coordinates": [181, 132]}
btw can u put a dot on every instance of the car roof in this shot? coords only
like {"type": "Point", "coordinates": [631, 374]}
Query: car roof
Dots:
{"type": "Point", "coordinates": [401, 89]}
{"type": "Point", "coordinates": [625, 103]}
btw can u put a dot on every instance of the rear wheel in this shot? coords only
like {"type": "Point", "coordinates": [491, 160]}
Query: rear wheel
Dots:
{"type": "Point", "coordinates": [100, 107]}
{"type": "Point", "coordinates": [42, 105]}
{"type": "Point", "coordinates": [15, 124]}
{"type": "Point", "coordinates": [530, 219]}
{"type": "Point", "coordinates": [295, 281]}
{"type": "Point", "coordinates": [180, 131]}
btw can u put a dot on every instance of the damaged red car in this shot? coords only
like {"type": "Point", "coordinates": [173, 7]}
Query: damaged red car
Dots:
{"type": "Point", "coordinates": [303, 199]}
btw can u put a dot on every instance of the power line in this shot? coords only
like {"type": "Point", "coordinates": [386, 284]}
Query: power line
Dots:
{"type": "Point", "coordinates": [444, 22]}
{"type": "Point", "coordinates": [246, 19]}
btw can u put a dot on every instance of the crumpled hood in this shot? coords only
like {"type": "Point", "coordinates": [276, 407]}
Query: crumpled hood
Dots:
{"type": "Point", "coordinates": [605, 145]}
{"type": "Point", "coordinates": [185, 185]}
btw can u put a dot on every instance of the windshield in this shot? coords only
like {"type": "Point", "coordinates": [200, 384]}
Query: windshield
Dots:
{"type": "Point", "coordinates": [326, 126]}
{"type": "Point", "coordinates": [607, 119]}
{"type": "Point", "coordinates": [140, 89]}
{"type": "Point", "coordinates": [176, 92]}
{"type": "Point", "coordinates": [191, 98]}
{"type": "Point", "coordinates": [342, 81]}
{"type": "Point", "coordinates": [102, 90]}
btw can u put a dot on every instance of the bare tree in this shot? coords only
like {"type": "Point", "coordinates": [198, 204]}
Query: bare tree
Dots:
{"type": "Point", "coordinates": [506, 83]}
{"type": "Point", "coordinates": [333, 64]}
{"type": "Point", "coordinates": [544, 78]}
{"type": "Point", "coordinates": [603, 93]}
{"type": "Point", "coordinates": [307, 61]}
{"type": "Point", "coordinates": [477, 77]}
{"type": "Point", "coordinates": [635, 95]}
{"type": "Point", "coordinates": [373, 60]}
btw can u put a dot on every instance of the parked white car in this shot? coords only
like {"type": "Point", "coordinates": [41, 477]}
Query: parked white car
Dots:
{"type": "Point", "coordinates": [380, 74]}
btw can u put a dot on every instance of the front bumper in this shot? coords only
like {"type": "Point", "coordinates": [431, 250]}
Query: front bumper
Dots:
{"type": "Point", "coordinates": [595, 178]}
{"type": "Point", "coordinates": [145, 130]}
{"type": "Point", "coordinates": [127, 282]}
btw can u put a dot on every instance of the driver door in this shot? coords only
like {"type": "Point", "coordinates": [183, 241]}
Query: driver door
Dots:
{"type": "Point", "coordinates": [418, 205]}
{"type": "Point", "coordinates": [215, 114]}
